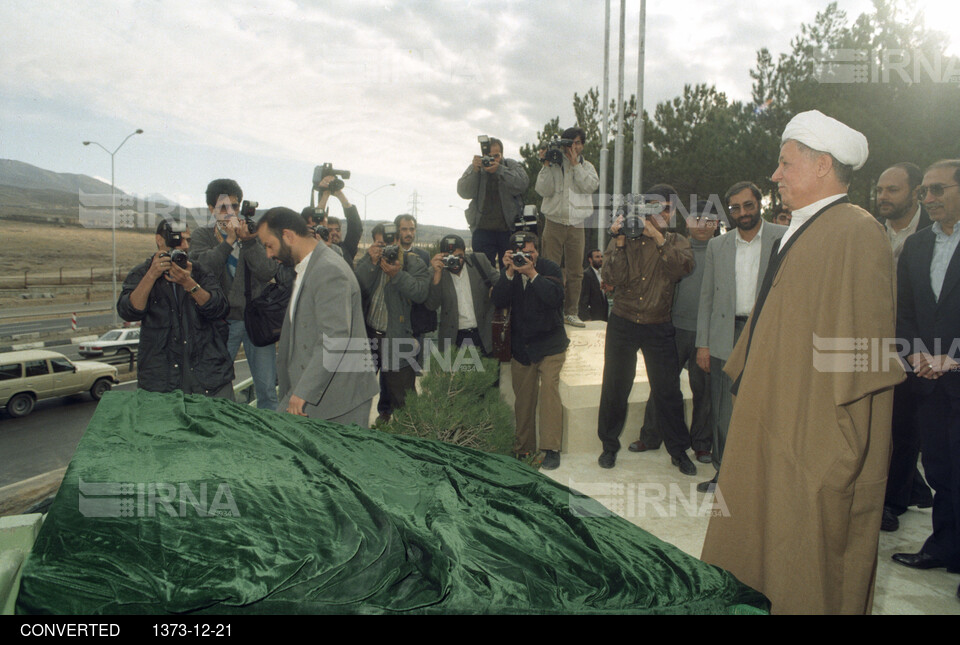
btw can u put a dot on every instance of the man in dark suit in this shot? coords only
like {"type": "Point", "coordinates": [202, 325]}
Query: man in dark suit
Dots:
{"type": "Point", "coordinates": [324, 366]}
{"type": "Point", "coordinates": [461, 290]}
{"type": "Point", "coordinates": [902, 215]}
{"type": "Point", "coordinates": [928, 320]}
{"type": "Point", "coordinates": [593, 293]}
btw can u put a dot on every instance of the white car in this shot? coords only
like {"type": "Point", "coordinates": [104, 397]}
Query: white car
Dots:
{"type": "Point", "coordinates": [31, 375]}
{"type": "Point", "coordinates": [116, 342]}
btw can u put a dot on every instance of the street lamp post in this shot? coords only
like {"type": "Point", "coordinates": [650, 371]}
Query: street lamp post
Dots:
{"type": "Point", "coordinates": [365, 195]}
{"type": "Point", "coordinates": [113, 212]}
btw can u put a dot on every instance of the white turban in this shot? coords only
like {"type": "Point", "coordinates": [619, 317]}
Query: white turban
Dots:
{"type": "Point", "coordinates": [824, 134]}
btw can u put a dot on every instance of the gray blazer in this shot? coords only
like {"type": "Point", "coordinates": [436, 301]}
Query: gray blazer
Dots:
{"type": "Point", "coordinates": [718, 293]}
{"type": "Point", "coordinates": [444, 297]}
{"type": "Point", "coordinates": [323, 356]}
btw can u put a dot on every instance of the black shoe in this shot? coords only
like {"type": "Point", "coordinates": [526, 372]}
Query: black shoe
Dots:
{"type": "Point", "coordinates": [684, 464]}
{"type": "Point", "coordinates": [608, 459]}
{"type": "Point", "coordinates": [704, 456]}
{"type": "Point", "coordinates": [551, 460]}
{"type": "Point", "coordinates": [918, 560]}
{"type": "Point", "coordinates": [708, 487]}
{"type": "Point", "coordinates": [889, 522]}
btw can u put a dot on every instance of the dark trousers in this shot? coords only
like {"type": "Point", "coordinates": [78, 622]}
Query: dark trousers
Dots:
{"type": "Point", "coordinates": [904, 478]}
{"type": "Point", "coordinates": [939, 422]}
{"type": "Point", "coordinates": [701, 427]}
{"type": "Point", "coordinates": [721, 399]}
{"type": "Point", "coordinates": [393, 383]}
{"type": "Point", "coordinates": [656, 343]}
{"type": "Point", "coordinates": [493, 244]}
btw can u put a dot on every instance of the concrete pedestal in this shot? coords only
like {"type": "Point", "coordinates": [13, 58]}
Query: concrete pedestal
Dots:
{"type": "Point", "coordinates": [580, 382]}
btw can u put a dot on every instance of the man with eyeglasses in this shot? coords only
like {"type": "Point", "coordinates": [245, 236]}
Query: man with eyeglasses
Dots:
{"type": "Point", "coordinates": [805, 463]}
{"type": "Point", "coordinates": [734, 265]}
{"type": "Point", "coordinates": [928, 320]}
{"type": "Point", "coordinates": [236, 257]}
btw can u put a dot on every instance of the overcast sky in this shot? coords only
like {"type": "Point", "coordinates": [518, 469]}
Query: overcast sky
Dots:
{"type": "Point", "coordinates": [396, 92]}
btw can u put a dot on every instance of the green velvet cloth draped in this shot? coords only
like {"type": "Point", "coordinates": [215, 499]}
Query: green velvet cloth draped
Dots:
{"type": "Point", "coordinates": [181, 504]}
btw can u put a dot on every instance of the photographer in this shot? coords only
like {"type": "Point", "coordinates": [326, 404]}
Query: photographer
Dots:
{"type": "Point", "coordinates": [230, 251]}
{"type": "Point", "coordinates": [348, 245]}
{"type": "Point", "coordinates": [318, 227]}
{"type": "Point", "coordinates": [391, 280]}
{"type": "Point", "coordinates": [495, 186]}
{"type": "Point", "coordinates": [461, 289]}
{"type": "Point", "coordinates": [183, 338]}
{"type": "Point", "coordinates": [567, 183]}
{"type": "Point", "coordinates": [531, 286]}
{"type": "Point", "coordinates": [643, 264]}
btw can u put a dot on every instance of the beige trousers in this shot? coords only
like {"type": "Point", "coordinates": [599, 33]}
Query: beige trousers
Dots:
{"type": "Point", "coordinates": [530, 383]}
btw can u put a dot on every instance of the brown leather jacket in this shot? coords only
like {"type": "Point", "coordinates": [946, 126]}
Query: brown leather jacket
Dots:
{"type": "Point", "coordinates": [644, 277]}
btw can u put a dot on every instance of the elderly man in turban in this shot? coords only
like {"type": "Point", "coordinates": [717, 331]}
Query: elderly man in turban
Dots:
{"type": "Point", "coordinates": [809, 442]}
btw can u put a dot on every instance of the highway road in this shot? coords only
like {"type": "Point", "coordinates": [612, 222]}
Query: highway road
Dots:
{"type": "Point", "coordinates": [47, 438]}
{"type": "Point", "coordinates": [88, 321]}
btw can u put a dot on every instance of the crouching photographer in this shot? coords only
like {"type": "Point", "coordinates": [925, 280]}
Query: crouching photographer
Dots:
{"type": "Point", "coordinates": [532, 287]}
{"type": "Point", "coordinates": [183, 337]}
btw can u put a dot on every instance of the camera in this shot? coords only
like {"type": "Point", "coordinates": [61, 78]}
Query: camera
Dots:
{"type": "Point", "coordinates": [453, 262]}
{"type": "Point", "coordinates": [517, 243]}
{"type": "Point", "coordinates": [173, 234]}
{"type": "Point", "coordinates": [322, 232]}
{"type": "Point", "coordinates": [526, 221]}
{"type": "Point", "coordinates": [176, 256]}
{"type": "Point", "coordinates": [391, 251]}
{"type": "Point", "coordinates": [324, 171]}
{"type": "Point", "coordinates": [248, 211]}
{"type": "Point", "coordinates": [486, 158]}
{"type": "Point", "coordinates": [555, 152]}
{"type": "Point", "coordinates": [635, 220]}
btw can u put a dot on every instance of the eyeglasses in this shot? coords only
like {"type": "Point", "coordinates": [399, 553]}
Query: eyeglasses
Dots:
{"type": "Point", "coordinates": [934, 189]}
{"type": "Point", "coordinates": [747, 205]}
{"type": "Point", "coordinates": [228, 207]}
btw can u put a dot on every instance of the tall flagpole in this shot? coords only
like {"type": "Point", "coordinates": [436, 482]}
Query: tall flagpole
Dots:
{"type": "Point", "coordinates": [603, 222]}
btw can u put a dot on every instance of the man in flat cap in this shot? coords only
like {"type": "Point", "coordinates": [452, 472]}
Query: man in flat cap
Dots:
{"type": "Point", "coordinates": [806, 457]}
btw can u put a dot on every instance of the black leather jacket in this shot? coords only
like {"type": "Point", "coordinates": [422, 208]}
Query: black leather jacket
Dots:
{"type": "Point", "coordinates": [183, 346]}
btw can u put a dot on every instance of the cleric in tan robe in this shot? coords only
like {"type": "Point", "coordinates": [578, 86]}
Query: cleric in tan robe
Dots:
{"type": "Point", "coordinates": [806, 458]}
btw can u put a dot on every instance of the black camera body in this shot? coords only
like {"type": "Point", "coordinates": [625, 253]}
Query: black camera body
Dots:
{"type": "Point", "coordinates": [322, 232]}
{"type": "Point", "coordinates": [636, 219]}
{"type": "Point", "coordinates": [178, 257]}
{"type": "Point", "coordinates": [391, 250]}
{"type": "Point", "coordinates": [485, 157]}
{"type": "Point", "coordinates": [323, 171]}
{"type": "Point", "coordinates": [555, 152]}
{"type": "Point", "coordinates": [248, 213]}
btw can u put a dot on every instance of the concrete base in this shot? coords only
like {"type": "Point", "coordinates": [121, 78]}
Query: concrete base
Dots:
{"type": "Point", "coordinates": [580, 382]}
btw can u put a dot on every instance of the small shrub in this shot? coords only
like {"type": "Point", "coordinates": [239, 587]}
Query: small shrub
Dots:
{"type": "Point", "coordinates": [459, 407]}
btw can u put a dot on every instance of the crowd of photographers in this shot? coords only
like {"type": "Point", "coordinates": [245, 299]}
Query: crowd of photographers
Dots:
{"type": "Point", "coordinates": [511, 296]}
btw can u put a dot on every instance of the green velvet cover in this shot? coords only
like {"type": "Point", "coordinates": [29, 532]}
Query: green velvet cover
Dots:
{"type": "Point", "coordinates": [301, 516]}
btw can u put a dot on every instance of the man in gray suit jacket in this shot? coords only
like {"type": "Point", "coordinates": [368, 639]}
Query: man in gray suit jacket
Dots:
{"type": "Point", "coordinates": [462, 293]}
{"type": "Point", "coordinates": [733, 270]}
{"type": "Point", "coordinates": [324, 366]}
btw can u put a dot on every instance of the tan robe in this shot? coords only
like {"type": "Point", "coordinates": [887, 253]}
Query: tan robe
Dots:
{"type": "Point", "coordinates": [805, 464]}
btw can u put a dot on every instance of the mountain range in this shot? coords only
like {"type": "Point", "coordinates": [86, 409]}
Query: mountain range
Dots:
{"type": "Point", "coordinates": [32, 194]}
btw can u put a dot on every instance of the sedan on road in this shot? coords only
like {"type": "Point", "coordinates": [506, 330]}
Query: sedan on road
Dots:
{"type": "Point", "coordinates": [116, 342]}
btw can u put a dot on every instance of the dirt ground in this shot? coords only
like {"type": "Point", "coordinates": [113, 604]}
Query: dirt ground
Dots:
{"type": "Point", "coordinates": [43, 250]}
